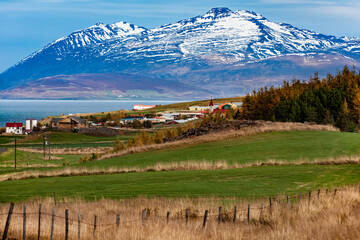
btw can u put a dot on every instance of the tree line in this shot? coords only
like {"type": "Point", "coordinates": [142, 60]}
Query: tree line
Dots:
{"type": "Point", "coordinates": [332, 100]}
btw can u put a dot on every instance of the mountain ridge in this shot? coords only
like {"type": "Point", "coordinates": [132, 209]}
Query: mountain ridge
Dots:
{"type": "Point", "coordinates": [216, 41]}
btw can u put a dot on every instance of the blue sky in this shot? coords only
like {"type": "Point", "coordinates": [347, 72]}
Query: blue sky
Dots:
{"type": "Point", "coordinates": [28, 25]}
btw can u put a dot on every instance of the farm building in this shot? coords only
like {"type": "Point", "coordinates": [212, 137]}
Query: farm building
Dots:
{"type": "Point", "coordinates": [142, 107]}
{"type": "Point", "coordinates": [14, 128]}
{"type": "Point", "coordinates": [30, 124]}
{"type": "Point", "coordinates": [131, 119]}
{"type": "Point", "coordinates": [68, 123]}
{"type": "Point", "coordinates": [199, 108]}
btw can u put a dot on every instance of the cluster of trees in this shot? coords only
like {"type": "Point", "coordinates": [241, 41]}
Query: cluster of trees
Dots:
{"type": "Point", "coordinates": [108, 117]}
{"type": "Point", "coordinates": [333, 100]}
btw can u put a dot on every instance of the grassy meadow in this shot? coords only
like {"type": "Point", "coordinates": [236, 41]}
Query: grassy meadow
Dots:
{"type": "Point", "coordinates": [286, 146]}
{"type": "Point", "coordinates": [246, 183]}
{"type": "Point", "coordinates": [196, 176]}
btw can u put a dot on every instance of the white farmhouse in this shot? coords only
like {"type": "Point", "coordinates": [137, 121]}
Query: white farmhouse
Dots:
{"type": "Point", "coordinates": [143, 107]}
{"type": "Point", "coordinates": [14, 128]}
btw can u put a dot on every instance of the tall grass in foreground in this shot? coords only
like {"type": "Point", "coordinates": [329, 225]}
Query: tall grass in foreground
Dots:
{"type": "Point", "coordinates": [326, 217]}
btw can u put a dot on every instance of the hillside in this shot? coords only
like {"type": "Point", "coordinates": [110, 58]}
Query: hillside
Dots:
{"type": "Point", "coordinates": [221, 53]}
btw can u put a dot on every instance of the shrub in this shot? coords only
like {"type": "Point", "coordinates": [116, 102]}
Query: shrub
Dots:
{"type": "Point", "coordinates": [119, 145]}
{"type": "Point", "coordinates": [88, 158]}
{"type": "Point", "coordinates": [171, 133]}
{"type": "Point", "coordinates": [148, 124]}
{"type": "Point", "coordinates": [136, 124]}
{"type": "Point", "coordinates": [159, 136]}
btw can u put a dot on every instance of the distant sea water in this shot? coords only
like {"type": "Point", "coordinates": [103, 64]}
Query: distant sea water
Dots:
{"type": "Point", "coordinates": [20, 110]}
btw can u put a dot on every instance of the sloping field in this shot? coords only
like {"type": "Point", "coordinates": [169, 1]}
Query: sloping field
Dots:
{"type": "Point", "coordinates": [247, 182]}
{"type": "Point", "coordinates": [289, 146]}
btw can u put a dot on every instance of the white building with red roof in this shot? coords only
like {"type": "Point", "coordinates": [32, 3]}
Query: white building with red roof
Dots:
{"type": "Point", "coordinates": [142, 107]}
{"type": "Point", "coordinates": [14, 128]}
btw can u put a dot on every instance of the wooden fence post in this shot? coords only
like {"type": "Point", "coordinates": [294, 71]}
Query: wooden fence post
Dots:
{"type": "Point", "coordinates": [95, 224]}
{"type": "Point", "coordinates": [117, 221]}
{"type": "Point", "coordinates": [8, 219]}
{"type": "Point", "coordinates": [39, 223]}
{"type": "Point", "coordinates": [187, 215]}
{"type": "Point", "coordinates": [287, 200]}
{"type": "Point", "coordinates": [327, 190]}
{"type": "Point", "coordinates": [261, 212]}
{"type": "Point", "coordinates": [318, 193]}
{"type": "Point", "coordinates": [79, 226]}
{"type": "Point", "coordinates": [143, 217]}
{"type": "Point", "coordinates": [24, 222]}
{"type": "Point", "coordinates": [167, 217]}
{"type": "Point", "coordinates": [52, 223]}
{"type": "Point", "coordinates": [299, 197]}
{"type": "Point", "coordinates": [270, 206]}
{"type": "Point", "coordinates": [205, 217]}
{"type": "Point", "coordinates": [219, 217]}
{"type": "Point", "coordinates": [309, 196]}
{"type": "Point", "coordinates": [235, 210]}
{"type": "Point", "coordinates": [335, 193]}
{"type": "Point", "coordinates": [66, 224]}
{"type": "Point", "coordinates": [248, 214]}
{"type": "Point", "coordinates": [55, 198]}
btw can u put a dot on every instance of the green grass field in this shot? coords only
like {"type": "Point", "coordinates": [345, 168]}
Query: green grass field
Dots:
{"type": "Point", "coordinates": [289, 146]}
{"type": "Point", "coordinates": [26, 158]}
{"type": "Point", "coordinates": [246, 183]}
{"type": "Point", "coordinates": [58, 137]}
{"type": "Point", "coordinates": [66, 140]}
{"type": "Point", "coordinates": [8, 139]}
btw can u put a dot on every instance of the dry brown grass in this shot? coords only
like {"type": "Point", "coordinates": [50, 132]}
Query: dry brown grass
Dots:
{"type": "Point", "coordinates": [175, 166]}
{"type": "Point", "coordinates": [260, 127]}
{"type": "Point", "coordinates": [328, 217]}
{"type": "Point", "coordinates": [70, 151]}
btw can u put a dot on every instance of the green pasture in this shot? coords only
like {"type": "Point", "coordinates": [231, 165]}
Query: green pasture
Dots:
{"type": "Point", "coordinates": [254, 182]}
{"type": "Point", "coordinates": [24, 159]}
{"type": "Point", "coordinates": [60, 139]}
{"type": "Point", "coordinates": [8, 139]}
{"type": "Point", "coordinates": [289, 146]}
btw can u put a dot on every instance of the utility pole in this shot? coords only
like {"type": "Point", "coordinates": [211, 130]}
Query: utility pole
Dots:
{"type": "Point", "coordinates": [44, 139]}
{"type": "Point", "coordinates": [49, 150]}
{"type": "Point", "coordinates": [15, 153]}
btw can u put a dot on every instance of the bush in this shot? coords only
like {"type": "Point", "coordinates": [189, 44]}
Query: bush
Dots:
{"type": "Point", "coordinates": [143, 138]}
{"type": "Point", "coordinates": [171, 133]}
{"type": "Point", "coordinates": [180, 130]}
{"type": "Point", "coordinates": [88, 158]}
{"type": "Point", "coordinates": [130, 143]}
{"type": "Point", "coordinates": [119, 145]}
{"type": "Point", "coordinates": [159, 136]}
{"type": "Point", "coordinates": [148, 124]}
{"type": "Point", "coordinates": [136, 124]}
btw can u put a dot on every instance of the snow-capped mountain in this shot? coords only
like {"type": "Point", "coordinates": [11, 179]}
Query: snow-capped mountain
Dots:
{"type": "Point", "coordinates": [235, 50]}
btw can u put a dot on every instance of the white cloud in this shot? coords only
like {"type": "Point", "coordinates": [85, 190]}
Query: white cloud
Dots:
{"type": "Point", "coordinates": [339, 11]}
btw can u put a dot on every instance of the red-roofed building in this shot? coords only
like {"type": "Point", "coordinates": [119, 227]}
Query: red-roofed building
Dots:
{"type": "Point", "coordinates": [143, 107]}
{"type": "Point", "coordinates": [14, 128]}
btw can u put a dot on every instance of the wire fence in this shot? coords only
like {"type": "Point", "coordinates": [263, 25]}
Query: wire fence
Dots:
{"type": "Point", "coordinates": [247, 214]}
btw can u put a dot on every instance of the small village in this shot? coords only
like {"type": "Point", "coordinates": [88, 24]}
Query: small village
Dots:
{"type": "Point", "coordinates": [142, 116]}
